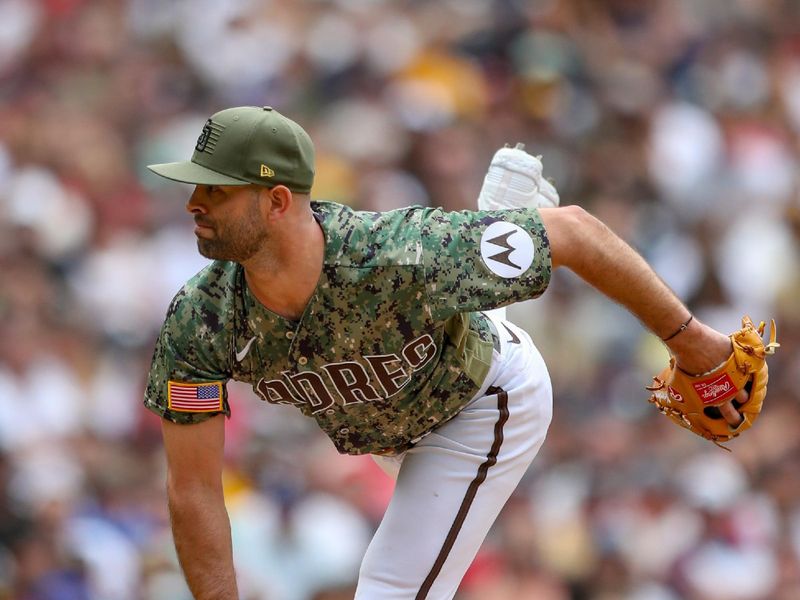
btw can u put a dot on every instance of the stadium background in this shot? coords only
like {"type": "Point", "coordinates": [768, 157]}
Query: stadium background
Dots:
{"type": "Point", "coordinates": [675, 121]}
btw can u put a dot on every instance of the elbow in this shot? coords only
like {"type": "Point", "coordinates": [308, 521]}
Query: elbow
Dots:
{"type": "Point", "coordinates": [566, 226]}
{"type": "Point", "coordinates": [188, 489]}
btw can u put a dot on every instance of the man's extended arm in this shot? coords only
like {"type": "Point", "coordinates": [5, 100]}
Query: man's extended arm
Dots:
{"type": "Point", "coordinates": [200, 524]}
{"type": "Point", "coordinates": [587, 247]}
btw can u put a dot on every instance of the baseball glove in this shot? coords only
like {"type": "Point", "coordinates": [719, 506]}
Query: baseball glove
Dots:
{"type": "Point", "coordinates": [693, 401]}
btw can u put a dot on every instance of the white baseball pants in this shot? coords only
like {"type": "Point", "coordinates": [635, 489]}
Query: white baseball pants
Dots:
{"type": "Point", "coordinates": [453, 483]}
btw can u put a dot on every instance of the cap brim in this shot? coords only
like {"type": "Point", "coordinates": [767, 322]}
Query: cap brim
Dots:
{"type": "Point", "coordinates": [190, 172]}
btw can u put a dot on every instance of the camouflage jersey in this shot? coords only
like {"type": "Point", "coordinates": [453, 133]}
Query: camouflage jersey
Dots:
{"type": "Point", "coordinates": [390, 344]}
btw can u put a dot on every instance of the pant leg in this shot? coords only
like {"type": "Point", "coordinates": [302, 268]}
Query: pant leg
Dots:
{"type": "Point", "coordinates": [452, 485]}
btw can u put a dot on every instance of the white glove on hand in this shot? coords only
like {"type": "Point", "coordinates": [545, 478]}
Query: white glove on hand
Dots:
{"type": "Point", "coordinates": [514, 180]}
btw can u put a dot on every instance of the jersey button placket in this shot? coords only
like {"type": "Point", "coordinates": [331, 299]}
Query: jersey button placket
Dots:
{"type": "Point", "coordinates": [302, 360]}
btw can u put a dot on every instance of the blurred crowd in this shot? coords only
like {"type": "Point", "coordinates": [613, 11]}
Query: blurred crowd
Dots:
{"type": "Point", "coordinates": [675, 121]}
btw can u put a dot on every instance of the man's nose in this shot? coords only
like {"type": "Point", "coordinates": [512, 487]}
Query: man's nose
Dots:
{"type": "Point", "coordinates": [196, 203]}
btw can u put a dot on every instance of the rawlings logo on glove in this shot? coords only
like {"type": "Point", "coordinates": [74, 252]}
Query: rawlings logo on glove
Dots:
{"type": "Point", "coordinates": [717, 389]}
{"type": "Point", "coordinates": [693, 401]}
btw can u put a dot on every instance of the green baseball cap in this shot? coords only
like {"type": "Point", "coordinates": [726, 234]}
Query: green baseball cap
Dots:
{"type": "Point", "coordinates": [244, 145]}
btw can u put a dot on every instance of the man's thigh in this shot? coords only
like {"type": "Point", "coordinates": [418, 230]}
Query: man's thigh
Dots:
{"type": "Point", "coordinates": [452, 485]}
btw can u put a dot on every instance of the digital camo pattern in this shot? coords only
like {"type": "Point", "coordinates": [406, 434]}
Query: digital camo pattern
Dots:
{"type": "Point", "coordinates": [391, 343]}
{"type": "Point", "coordinates": [194, 345]}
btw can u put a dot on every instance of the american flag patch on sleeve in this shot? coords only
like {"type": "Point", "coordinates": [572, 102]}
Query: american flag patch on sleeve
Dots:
{"type": "Point", "coordinates": [194, 397]}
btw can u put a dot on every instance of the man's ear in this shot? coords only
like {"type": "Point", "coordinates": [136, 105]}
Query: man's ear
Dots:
{"type": "Point", "coordinates": [277, 201]}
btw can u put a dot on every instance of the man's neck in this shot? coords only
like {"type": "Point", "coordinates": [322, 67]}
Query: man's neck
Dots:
{"type": "Point", "coordinates": [285, 281]}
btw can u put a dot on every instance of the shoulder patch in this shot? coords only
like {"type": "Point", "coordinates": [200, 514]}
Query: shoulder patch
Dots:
{"type": "Point", "coordinates": [507, 249]}
{"type": "Point", "coordinates": [194, 397]}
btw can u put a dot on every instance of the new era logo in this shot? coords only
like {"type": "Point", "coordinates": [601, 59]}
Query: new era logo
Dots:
{"type": "Point", "coordinates": [266, 171]}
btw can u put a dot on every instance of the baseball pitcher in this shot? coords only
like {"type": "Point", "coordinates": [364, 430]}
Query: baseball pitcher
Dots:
{"type": "Point", "coordinates": [374, 325]}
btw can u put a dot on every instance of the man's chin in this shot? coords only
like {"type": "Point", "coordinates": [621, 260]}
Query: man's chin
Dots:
{"type": "Point", "coordinates": [213, 251]}
{"type": "Point", "coordinates": [209, 251]}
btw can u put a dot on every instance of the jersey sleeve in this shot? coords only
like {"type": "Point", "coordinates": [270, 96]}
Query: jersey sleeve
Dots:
{"type": "Point", "coordinates": [482, 260]}
{"type": "Point", "coordinates": [189, 373]}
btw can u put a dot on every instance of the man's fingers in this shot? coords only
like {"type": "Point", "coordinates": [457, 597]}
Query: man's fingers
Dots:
{"type": "Point", "coordinates": [729, 412]}
{"type": "Point", "coordinates": [731, 415]}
